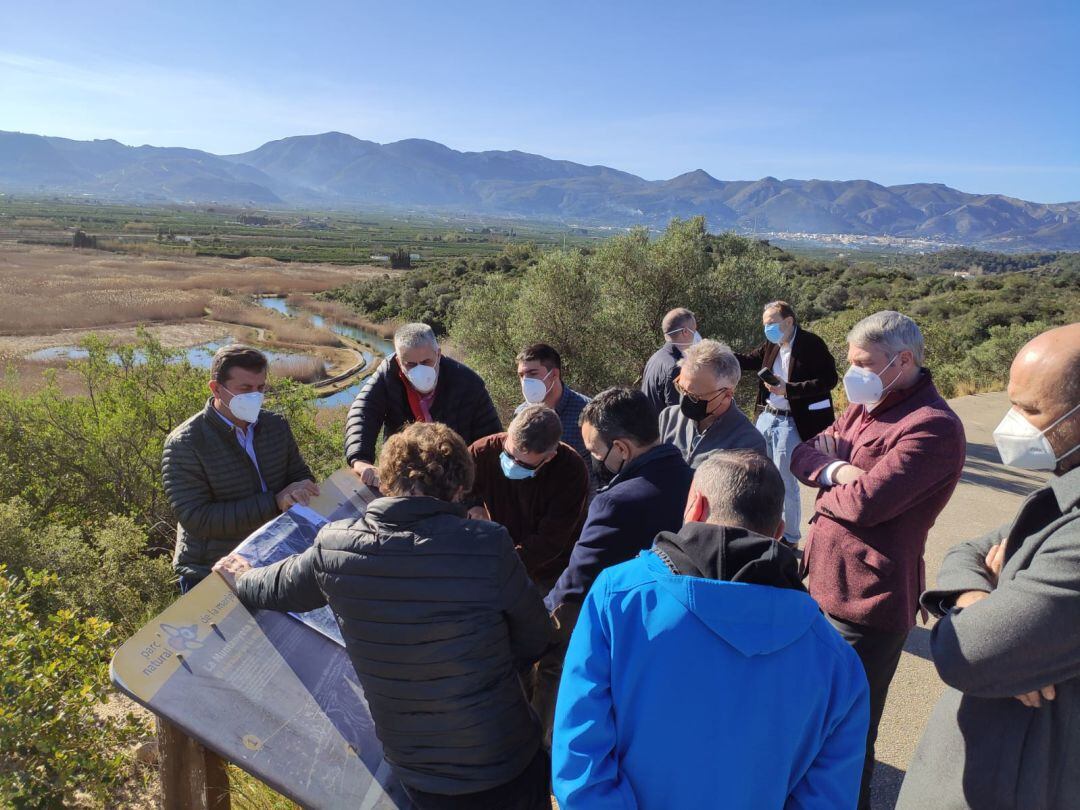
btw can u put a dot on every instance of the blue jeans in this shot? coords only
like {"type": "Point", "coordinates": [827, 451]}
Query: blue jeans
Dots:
{"type": "Point", "coordinates": [781, 439]}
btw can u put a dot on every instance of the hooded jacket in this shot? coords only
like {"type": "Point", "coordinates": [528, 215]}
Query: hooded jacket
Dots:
{"type": "Point", "coordinates": [675, 690]}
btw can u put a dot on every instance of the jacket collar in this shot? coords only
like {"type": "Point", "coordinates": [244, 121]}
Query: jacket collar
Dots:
{"type": "Point", "coordinates": [768, 356]}
{"type": "Point", "coordinates": [634, 468]}
{"type": "Point", "coordinates": [213, 418]}
{"type": "Point", "coordinates": [1066, 489]}
{"type": "Point", "coordinates": [403, 512]}
{"type": "Point", "coordinates": [672, 349]}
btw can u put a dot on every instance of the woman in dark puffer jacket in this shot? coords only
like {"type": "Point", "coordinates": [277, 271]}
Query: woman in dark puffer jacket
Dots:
{"type": "Point", "coordinates": [437, 614]}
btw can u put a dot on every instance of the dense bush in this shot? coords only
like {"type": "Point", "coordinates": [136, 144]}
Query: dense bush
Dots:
{"type": "Point", "coordinates": [53, 677]}
{"type": "Point", "coordinates": [104, 571]}
{"type": "Point", "coordinates": [603, 309]}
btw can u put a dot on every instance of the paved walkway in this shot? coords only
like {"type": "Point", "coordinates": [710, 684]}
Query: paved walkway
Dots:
{"type": "Point", "coordinates": [989, 494]}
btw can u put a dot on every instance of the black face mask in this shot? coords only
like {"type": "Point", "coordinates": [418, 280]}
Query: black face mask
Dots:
{"type": "Point", "coordinates": [695, 411]}
{"type": "Point", "coordinates": [600, 470]}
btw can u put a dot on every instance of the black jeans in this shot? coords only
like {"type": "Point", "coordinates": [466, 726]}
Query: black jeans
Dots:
{"type": "Point", "coordinates": [879, 651]}
{"type": "Point", "coordinates": [529, 790]}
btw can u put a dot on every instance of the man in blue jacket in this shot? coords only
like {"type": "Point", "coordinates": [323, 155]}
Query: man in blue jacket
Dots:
{"type": "Point", "coordinates": [643, 488]}
{"type": "Point", "coordinates": [676, 686]}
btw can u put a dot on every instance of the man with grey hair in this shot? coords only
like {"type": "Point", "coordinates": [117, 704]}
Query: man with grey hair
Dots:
{"type": "Point", "coordinates": [885, 470]}
{"type": "Point", "coordinates": [657, 381]}
{"type": "Point", "coordinates": [415, 384]}
{"type": "Point", "coordinates": [536, 486]}
{"type": "Point", "coordinates": [711, 624]}
{"type": "Point", "coordinates": [707, 418]}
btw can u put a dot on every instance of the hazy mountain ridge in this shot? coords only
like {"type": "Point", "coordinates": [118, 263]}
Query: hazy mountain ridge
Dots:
{"type": "Point", "coordinates": [338, 170]}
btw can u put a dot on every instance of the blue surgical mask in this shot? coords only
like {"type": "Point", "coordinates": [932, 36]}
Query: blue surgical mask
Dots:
{"type": "Point", "coordinates": [774, 333]}
{"type": "Point", "coordinates": [512, 470]}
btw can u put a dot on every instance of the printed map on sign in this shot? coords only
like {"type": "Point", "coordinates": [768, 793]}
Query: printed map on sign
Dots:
{"type": "Point", "coordinates": [291, 532]}
{"type": "Point", "coordinates": [274, 695]}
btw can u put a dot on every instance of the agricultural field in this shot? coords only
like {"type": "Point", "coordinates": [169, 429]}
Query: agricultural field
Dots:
{"type": "Point", "coordinates": [288, 236]}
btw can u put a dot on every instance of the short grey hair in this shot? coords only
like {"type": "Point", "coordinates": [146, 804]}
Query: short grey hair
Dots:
{"type": "Point", "coordinates": [715, 356]}
{"type": "Point", "coordinates": [890, 331]}
{"type": "Point", "coordinates": [537, 429]}
{"type": "Point", "coordinates": [744, 489]}
{"type": "Point", "coordinates": [413, 336]}
{"type": "Point", "coordinates": [677, 319]}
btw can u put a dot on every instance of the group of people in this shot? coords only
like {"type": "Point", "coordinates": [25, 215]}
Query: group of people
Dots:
{"type": "Point", "coordinates": [606, 600]}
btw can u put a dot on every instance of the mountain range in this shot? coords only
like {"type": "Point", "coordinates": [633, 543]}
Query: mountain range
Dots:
{"type": "Point", "coordinates": [338, 171]}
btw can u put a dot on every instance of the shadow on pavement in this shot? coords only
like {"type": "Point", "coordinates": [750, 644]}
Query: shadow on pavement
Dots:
{"type": "Point", "coordinates": [885, 788]}
{"type": "Point", "coordinates": [983, 468]}
{"type": "Point", "coordinates": [918, 643]}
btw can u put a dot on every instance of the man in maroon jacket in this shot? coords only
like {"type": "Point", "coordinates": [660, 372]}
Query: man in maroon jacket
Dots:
{"type": "Point", "coordinates": [534, 485]}
{"type": "Point", "coordinates": [886, 468]}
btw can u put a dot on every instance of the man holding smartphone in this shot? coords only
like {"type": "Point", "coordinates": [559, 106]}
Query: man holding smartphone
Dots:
{"type": "Point", "coordinates": [797, 373]}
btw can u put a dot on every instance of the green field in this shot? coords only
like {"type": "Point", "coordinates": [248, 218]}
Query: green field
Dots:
{"type": "Point", "coordinates": [290, 236]}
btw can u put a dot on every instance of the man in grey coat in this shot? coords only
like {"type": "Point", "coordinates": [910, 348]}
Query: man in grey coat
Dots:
{"type": "Point", "coordinates": [1006, 733]}
{"type": "Point", "coordinates": [707, 418]}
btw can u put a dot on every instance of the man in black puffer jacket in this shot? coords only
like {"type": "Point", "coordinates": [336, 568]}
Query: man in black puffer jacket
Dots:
{"type": "Point", "coordinates": [437, 613]}
{"type": "Point", "coordinates": [416, 384]}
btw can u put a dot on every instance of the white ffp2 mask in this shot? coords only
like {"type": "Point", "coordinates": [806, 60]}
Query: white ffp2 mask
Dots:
{"type": "Point", "coordinates": [864, 387]}
{"type": "Point", "coordinates": [423, 378]}
{"type": "Point", "coordinates": [1024, 446]}
{"type": "Point", "coordinates": [245, 407]}
{"type": "Point", "coordinates": [534, 390]}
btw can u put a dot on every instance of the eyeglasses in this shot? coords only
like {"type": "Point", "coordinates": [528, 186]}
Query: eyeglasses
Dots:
{"type": "Point", "coordinates": [519, 462]}
{"type": "Point", "coordinates": [712, 395]}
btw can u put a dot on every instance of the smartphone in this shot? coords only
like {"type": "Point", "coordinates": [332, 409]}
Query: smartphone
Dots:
{"type": "Point", "coordinates": [768, 377]}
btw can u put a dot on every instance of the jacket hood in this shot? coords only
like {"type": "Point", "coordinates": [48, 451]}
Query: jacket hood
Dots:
{"type": "Point", "coordinates": [728, 554]}
{"type": "Point", "coordinates": [744, 587]}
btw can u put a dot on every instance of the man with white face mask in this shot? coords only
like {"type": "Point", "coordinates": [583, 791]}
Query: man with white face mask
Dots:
{"type": "Point", "coordinates": [416, 384]}
{"type": "Point", "coordinates": [658, 378]}
{"type": "Point", "coordinates": [1006, 733]}
{"type": "Point", "coordinates": [885, 469]}
{"type": "Point", "coordinates": [539, 370]}
{"type": "Point", "coordinates": [230, 468]}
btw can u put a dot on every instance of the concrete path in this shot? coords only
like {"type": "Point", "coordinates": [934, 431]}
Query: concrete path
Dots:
{"type": "Point", "coordinates": [989, 494]}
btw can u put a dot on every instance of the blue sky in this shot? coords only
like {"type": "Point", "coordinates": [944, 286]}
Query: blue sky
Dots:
{"type": "Point", "coordinates": [982, 96]}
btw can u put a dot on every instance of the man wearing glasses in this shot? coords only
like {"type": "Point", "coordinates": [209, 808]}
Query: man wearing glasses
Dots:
{"type": "Point", "coordinates": [680, 333]}
{"type": "Point", "coordinates": [536, 486]}
{"type": "Point", "coordinates": [706, 418]}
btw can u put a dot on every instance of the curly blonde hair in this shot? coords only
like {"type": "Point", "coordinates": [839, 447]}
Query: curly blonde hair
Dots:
{"type": "Point", "coordinates": [426, 458]}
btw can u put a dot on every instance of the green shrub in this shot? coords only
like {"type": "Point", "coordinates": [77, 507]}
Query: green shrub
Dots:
{"type": "Point", "coordinates": [105, 571]}
{"type": "Point", "coordinates": [603, 309]}
{"type": "Point", "coordinates": [53, 675]}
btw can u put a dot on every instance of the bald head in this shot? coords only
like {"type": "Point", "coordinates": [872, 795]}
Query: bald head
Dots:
{"type": "Point", "coordinates": [1044, 385]}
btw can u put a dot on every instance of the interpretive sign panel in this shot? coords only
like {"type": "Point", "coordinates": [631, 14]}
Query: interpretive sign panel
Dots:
{"type": "Point", "coordinates": [265, 690]}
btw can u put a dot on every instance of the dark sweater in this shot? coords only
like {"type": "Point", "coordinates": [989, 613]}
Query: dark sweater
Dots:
{"type": "Point", "coordinates": [543, 514]}
{"type": "Point", "coordinates": [437, 612]}
{"type": "Point", "coordinates": [214, 489]}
